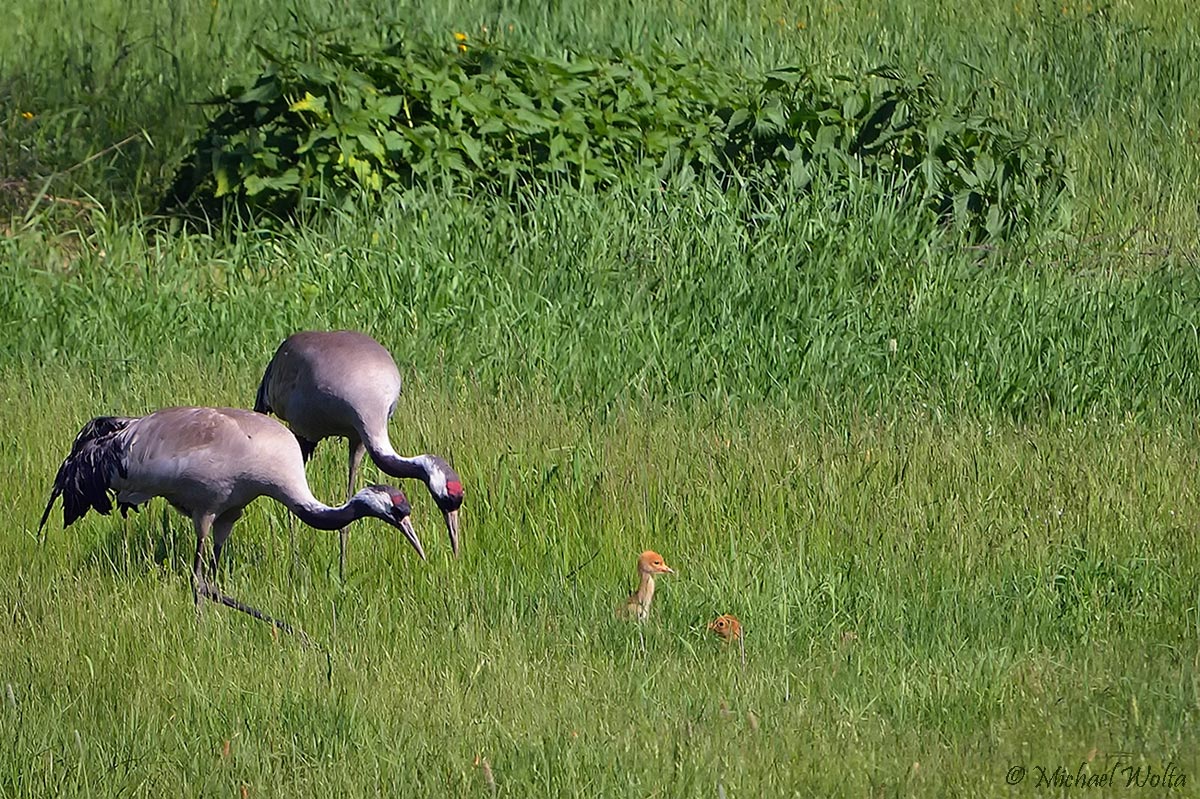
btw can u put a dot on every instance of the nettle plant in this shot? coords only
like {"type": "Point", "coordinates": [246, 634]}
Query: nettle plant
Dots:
{"type": "Point", "coordinates": [352, 118]}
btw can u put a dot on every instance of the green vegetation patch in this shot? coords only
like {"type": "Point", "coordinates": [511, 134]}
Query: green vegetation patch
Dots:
{"type": "Point", "coordinates": [1026, 590]}
{"type": "Point", "coordinates": [350, 118]}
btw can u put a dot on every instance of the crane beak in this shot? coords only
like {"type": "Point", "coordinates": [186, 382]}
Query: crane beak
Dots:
{"type": "Point", "coordinates": [406, 526]}
{"type": "Point", "coordinates": [452, 528]}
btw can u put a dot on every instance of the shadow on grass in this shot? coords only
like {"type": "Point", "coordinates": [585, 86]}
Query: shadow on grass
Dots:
{"type": "Point", "coordinates": [153, 539]}
{"type": "Point", "coordinates": [159, 539]}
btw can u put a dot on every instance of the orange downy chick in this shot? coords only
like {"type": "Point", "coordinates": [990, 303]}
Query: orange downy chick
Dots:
{"type": "Point", "coordinates": [726, 627]}
{"type": "Point", "coordinates": [637, 606]}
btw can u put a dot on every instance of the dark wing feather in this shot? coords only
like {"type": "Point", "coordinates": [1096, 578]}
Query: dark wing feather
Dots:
{"type": "Point", "coordinates": [261, 405]}
{"type": "Point", "coordinates": [85, 477]}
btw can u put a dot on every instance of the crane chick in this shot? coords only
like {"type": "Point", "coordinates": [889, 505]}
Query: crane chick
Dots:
{"type": "Point", "coordinates": [726, 627]}
{"type": "Point", "coordinates": [729, 629]}
{"type": "Point", "coordinates": [637, 606]}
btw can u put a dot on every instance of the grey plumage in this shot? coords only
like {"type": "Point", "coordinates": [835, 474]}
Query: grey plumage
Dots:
{"type": "Point", "coordinates": [209, 463]}
{"type": "Point", "coordinates": [344, 384]}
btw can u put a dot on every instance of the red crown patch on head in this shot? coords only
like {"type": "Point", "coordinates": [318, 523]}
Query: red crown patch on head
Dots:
{"type": "Point", "coordinates": [454, 488]}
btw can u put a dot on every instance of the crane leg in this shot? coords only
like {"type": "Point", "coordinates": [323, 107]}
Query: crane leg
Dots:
{"type": "Point", "coordinates": [291, 523]}
{"type": "Point", "coordinates": [203, 523]}
{"type": "Point", "coordinates": [221, 529]}
{"type": "Point", "coordinates": [215, 594]}
{"type": "Point", "coordinates": [357, 451]}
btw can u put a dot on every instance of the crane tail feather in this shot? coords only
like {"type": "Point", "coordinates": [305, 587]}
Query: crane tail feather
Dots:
{"type": "Point", "coordinates": [261, 403]}
{"type": "Point", "coordinates": [85, 478]}
{"type": "Point", "coordinates": [307, 448]}
{"type": "Point", "coordinates": [260, 400]}
{"type": "Point", "coordinates": [49, 505]}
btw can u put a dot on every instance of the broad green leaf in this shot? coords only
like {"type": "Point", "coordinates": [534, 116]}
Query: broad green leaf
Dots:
{"type": "Point", "coordinates": [266, 90]}
{"type": "Point", "coordinates": [223, 182]}
{"type": "Point", "coordinates": [372, 144]}
{"type": "Point", "coordinates": [852, 106]}
{"type": "Point", "coordinates": [393, 141]}
{"type": "Point", "coordinates": [252, 185]}
{"type": "Point", "coordinates": [492, 125]}
{"type": "Point", "coordinates": [388, 106]}
{"type": "Point", "coordinates": [558, 146]}
{"type": "Point", "coordinates": [472, 148]}
{"type": "Point", "coordinates": [308, 102]}
{"type": "Point", "coordinates": [826, 138]}
{"type": "Point", "coordinates": [738, 120]}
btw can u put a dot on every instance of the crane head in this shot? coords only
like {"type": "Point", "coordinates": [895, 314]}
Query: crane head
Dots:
{"type": "Point", "coordinates": [650, 562]}
{"type": "Point", "coordinates": [447, 489]}
{"type": "Point", "coordinates": [390, 505]}
{"type": "Point", "coordinates": [726, 626]}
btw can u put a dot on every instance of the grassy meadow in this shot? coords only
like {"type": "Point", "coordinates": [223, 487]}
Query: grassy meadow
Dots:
{"type": "Point", "coordinates": [950, 490]}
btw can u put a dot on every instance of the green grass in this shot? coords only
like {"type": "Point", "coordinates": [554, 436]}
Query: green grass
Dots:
{"type": "Point", "coordinates": [624, 297]}
{"type": "Point", "coordinates": [951, 492]}
{"type": "Point", "coordinates": [1020, 594]}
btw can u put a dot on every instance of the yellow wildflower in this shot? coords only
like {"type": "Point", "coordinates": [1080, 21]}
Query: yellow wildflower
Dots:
{"type": "Point", "coordinates": [26, 115]}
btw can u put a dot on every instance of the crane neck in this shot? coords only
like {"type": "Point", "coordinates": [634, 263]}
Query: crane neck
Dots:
{"type": "Point", "coordinates": [645, 589]}
{"type": "Point", "coordinates": [414, 467]}
{"type": "Point", "coordinates": [315, 513]}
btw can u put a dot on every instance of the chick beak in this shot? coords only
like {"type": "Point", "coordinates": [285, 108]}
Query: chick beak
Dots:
{"type": "Point", "coordinates": [452, 528]}
{"type": "Point", "coordinates": [406, 526]}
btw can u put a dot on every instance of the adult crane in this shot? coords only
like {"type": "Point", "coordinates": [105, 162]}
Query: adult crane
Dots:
{"type": "Point", "coordinates": [209, 463]}
{"type": "Point", "coordinates": [345, 384]}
